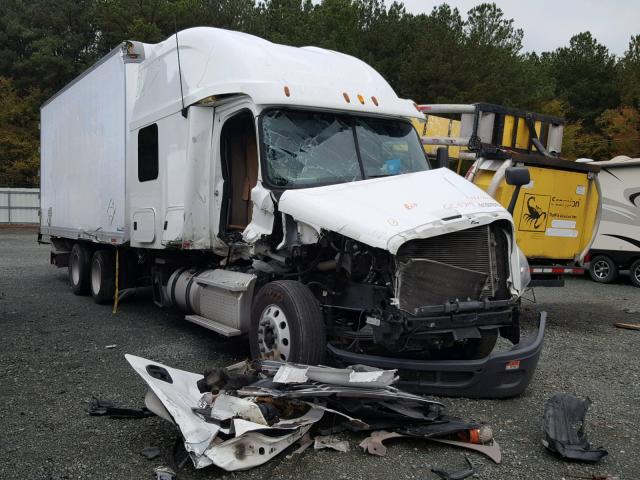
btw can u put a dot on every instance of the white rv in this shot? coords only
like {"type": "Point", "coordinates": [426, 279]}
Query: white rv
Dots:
{"type": "Point", "coordinates": [617, 243]}
{"type": "Point", "coordinates": [280, 192]}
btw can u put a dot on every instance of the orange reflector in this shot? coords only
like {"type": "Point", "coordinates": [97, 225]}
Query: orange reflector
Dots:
{"type": "Point", "coordinates": [286, 91]}
{"type": "Point", "coordinates": [375, 101]}
{"type": "Point", "coordinates": [346, 97]}
{"type": "Point", "coordinates": [361, 99]}
{"type": "Point", "coordinates": [512, 365]}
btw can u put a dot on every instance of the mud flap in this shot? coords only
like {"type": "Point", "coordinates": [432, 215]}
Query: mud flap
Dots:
{"type": "Point", "coordinates": [563, 425]}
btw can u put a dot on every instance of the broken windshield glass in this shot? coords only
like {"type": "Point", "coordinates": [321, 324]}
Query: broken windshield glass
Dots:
{"type": "Point", "coordinates": [305, 149]}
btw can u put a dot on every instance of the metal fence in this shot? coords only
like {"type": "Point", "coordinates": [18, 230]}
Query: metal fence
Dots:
{"type": "Point", "coordinates": [19, 205]}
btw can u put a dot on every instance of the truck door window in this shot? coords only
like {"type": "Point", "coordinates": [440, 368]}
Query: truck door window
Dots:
{"type": "Point", "coordinates": [148, 153]}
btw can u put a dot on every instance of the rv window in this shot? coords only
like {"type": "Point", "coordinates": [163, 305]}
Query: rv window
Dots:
{"type": "Point", "coordinates": [148, 153]}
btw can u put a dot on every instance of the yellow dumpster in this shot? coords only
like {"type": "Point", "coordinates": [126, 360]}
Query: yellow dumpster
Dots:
{"type": "Point", "coordinates": [555, 215]}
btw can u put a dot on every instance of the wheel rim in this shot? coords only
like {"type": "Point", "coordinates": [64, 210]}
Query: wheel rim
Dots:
{"type": "Point", "coordinates": [96, 276]}
{"type": "Point", "coordinates": [274, 336]}
{"type": "Point", "coordinates": [75, 270]}
{"type": "Point", "coordinates": [601, 269]}
{"type": "Point", "coordinates": [636, 274]}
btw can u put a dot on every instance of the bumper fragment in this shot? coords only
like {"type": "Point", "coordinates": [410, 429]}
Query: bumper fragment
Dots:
{"type": "Point", "coordinates": [500, 375]}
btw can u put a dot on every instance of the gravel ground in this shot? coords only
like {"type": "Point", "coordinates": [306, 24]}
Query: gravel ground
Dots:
{"type": "Point", "coordinates": [53, 359]}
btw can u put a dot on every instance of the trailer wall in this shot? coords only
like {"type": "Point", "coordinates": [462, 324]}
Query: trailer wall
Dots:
{"type": "Point", "coordinates": [83, 155]}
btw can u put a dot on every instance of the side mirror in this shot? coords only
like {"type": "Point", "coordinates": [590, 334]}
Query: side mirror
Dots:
{"type": "Point", "coordinates": [516, 176]}
{"type": "Point", "coordinates": [442, 157]}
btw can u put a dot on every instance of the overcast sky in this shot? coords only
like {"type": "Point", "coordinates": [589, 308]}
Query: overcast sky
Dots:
{"type": "Point", "coordinates": [549, 24]}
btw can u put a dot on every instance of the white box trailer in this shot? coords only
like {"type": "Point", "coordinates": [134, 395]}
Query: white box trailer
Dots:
{"type": "Point", "coordinates": [280, 192]}
{"type": "Point", "coordinates": [83, 151]}
{"type": "Point", "coordinates": [617, 243]}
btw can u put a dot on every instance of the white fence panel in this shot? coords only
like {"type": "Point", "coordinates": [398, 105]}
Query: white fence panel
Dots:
{"type": "Point", "coordinates": [19, 205]}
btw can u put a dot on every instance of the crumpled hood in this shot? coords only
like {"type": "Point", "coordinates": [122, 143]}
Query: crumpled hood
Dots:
{"type": "Point", "coordinates": [386, 212]}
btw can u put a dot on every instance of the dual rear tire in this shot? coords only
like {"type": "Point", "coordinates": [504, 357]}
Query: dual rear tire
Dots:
{"type": "Point", "coordinates": [92, 272]}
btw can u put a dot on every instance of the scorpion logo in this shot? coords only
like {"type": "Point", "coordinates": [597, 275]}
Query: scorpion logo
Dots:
{"type": "Point", "coordinates": [535, 216]}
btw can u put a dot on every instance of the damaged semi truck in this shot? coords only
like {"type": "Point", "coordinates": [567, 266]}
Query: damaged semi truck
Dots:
{"type": "Point", "coordinates": [283, 193]}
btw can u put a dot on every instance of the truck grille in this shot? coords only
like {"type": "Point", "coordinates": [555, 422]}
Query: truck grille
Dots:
{"type": "Point", "coordinates": [458, 258]}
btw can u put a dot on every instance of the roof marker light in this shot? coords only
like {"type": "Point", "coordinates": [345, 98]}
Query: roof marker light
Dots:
{"type": "Point", "coordinates": [361, 99]}
{"type": "Point", "coordinates": [346, 97]}
{"type": "Point", "coordinates": [375, 101]}
{"type": "Point", "coordinates": [287, 92]}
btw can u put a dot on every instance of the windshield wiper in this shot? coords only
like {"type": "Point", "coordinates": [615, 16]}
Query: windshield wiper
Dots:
{"type": "Point", "coordinates": [380, 175]}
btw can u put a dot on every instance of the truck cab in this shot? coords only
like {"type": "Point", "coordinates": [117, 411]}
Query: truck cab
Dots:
{"type": "Point", "coordinates": [283, 193]}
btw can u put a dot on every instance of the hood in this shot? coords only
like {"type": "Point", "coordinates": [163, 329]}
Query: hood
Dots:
{"type": "Point", "coordinates": [387, 212]}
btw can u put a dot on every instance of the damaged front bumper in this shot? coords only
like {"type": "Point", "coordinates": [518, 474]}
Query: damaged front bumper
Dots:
{"type": "Point", "coordinates": [500, 375]}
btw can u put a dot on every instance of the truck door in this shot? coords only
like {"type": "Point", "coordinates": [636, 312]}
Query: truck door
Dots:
{"type": "Point", "coordinates": [239, 163]}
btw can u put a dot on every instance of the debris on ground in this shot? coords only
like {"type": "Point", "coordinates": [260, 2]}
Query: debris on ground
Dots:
{"type": "Point", "coordinates": [373, 444]}
{"type": "Point", "coordinates": [329, 441]}
{"type": "Point", "coordinates": [564, 429]}
{"type": "Point", "coordinates": [627, 326]}
{"type": "Point", "coordinates": [244, 415]}
{"type": "Point", "coordinates": [110, 346]}
{"type": "Point", "coordinates": [459, 475]}
{"type": "Point", "coordinates": [150, 452]}
{"type": "Point", "coordinates": [598, 477]}
{"type": "Point", "coordinates": [98, 407]}
{"type": "Point", "coordinates": [305, 442]}
{"type": "Point", "coordinates": [164, 473]}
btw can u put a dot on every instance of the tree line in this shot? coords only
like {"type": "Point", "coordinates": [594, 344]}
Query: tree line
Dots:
{"type": "Point", "coordinates": [438, 57]}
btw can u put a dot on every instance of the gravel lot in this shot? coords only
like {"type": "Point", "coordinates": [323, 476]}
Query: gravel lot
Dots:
{"type": "Point", "coordinates": [53, 359]}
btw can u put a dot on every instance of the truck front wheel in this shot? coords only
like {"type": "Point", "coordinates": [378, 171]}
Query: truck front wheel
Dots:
{"type": "Point", "coordinates": [287, 324]}
{"type": "Point", "coordinates": [602, 269]}
{"type": "Point", "coordinates": [103, 276]}
{"type": "Point", "coordinates": [80, 269]}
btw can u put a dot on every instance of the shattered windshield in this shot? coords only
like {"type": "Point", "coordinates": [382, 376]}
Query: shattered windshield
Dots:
{"type": "Point", "coordinates": [305, 149]}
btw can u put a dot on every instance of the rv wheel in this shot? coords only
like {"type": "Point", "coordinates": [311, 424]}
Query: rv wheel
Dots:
{"type": "Point", "coordinates": [80, 269]}
{"type": "Point", "coordinates": [287, 324]}
{"type": "Point", "coordinates": [634, 273]}
{"type": "Point", "coordinates": [602, 269]}
{"type": "Point", "coordinates": [103, 276]}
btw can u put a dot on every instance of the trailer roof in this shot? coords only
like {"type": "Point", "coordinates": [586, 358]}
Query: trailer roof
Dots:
{"type": "Point", "coordinates": [215, 62]}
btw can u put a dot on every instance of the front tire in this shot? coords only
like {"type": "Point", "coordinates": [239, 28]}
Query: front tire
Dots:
{"type": "Point", "coordinates": [287, 324]}
{"type": "Point", "coordinates": [80, 269]}
{"type": "Point", "coordinates": [634, 273]}
{"type": "Point", "coordinates": [602, 269]}
{"type": "Point", "coordinates": [103, 276]}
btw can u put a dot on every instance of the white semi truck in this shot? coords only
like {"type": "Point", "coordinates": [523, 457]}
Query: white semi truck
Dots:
{"type": "Point", "coordinates": [282, 193]}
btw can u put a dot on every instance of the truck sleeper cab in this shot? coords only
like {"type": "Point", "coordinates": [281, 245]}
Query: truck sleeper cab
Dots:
{"type": "Point", "coordinates": [293, 204]}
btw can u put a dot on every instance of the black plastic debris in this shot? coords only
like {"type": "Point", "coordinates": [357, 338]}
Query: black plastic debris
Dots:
{"type": "Point", "coordinates": [109, 408]}
{"type": "Point", "coordinates": [150, 452]}
{"type": "Point", "coordinates": [459, 475]}
{"type": "Point", "coordinates": [564, 429]}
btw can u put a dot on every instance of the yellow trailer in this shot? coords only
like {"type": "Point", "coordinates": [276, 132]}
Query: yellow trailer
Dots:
{"type": "Point", "coordinates": [556, 214]}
